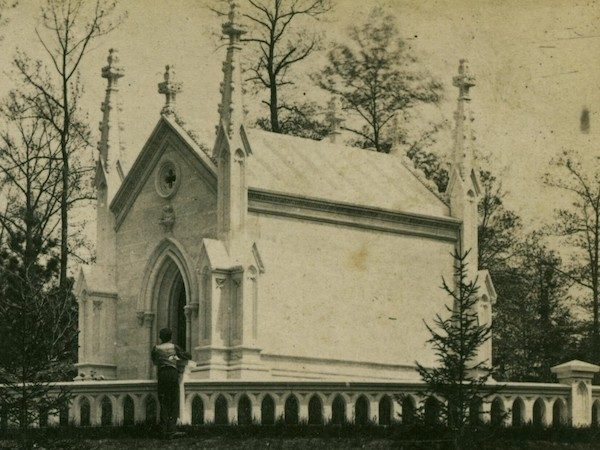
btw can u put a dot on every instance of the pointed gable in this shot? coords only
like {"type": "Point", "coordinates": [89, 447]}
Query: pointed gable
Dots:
{"type": "Point", "coordinates": [167, 133]}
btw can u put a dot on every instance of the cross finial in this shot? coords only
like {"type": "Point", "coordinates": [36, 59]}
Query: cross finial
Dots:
{"type": "Point", "coordinates": [464, 80]}
{"type": "Point", "coordinates": [231, 28]}
{"type": "Point", "coordinates": [169, 88]}
{"type": "Point", "coordinates": [113, 71]}
{"type": "Point", "coordinates": [333, 119]}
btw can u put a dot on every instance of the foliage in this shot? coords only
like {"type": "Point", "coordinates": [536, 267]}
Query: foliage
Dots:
{"type": "Point", "coordinates": [313, 436]}
{"type": "Point", "coordinates": [377, 78]}
{"type": "Point", "coordinates": [578, 226]}
{"type": "Point", "coordinates": [30, 179]}
{"type": "Point", "coordinates": [432, 165]}
{"type": "Point", "coordinates": [533, 327]}
{"type": "Point", "coordinates": [52, 90]}
{"type": "Point", "coordinates": [278, 30]}
{"type": "Point", "coordinates": [5, 7]}
{"type": "Point", "coordinates": [37, 315]}
{"type": "Point", "coordinates": [299, 120]}
{"type": "Point", "coordinates": [498, 226]}
{"type": "Point", "coordinates": [460, 374]}
{"type": "Point", "coordinates": [39, 319]}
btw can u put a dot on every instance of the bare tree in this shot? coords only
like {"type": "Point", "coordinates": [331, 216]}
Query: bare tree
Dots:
{"type": "Point", "coordinates": [579, 226]}
{"type": "Point", "coordinates": [39, 314]}
{"type": "Point", "coordinates": [53, 89]}
{"type": "Point", "coordinates": [30, 178]}
{"type": "Point", "coordinates": [281, 39]}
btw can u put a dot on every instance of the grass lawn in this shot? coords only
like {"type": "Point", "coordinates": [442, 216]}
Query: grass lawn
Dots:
{"type": "Point", "coordinates": [285, 443]}
{"type": "Point", "coordinates": [299, 443]}
{"type": "Point", "coordinates": [304, 437]}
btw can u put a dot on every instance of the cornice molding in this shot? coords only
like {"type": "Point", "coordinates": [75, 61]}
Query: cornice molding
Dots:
{"type": "Point", "coordinates": [317, 210]}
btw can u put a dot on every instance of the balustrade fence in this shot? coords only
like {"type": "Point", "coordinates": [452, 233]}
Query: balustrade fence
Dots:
{"type": "Point", "coordinates": [572, 401]}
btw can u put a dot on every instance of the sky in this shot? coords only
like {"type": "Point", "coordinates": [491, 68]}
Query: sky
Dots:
{"type": "Point", "coordinates": [535, 61]}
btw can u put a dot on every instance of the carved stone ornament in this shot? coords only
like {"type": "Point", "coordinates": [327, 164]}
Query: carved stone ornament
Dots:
{"type": "Point", "coordinates": [97, 305]}
{"type": "Point", "coordinates": [145, 318]}
{"type": "Point", "coordinates": [168, 179]}
{"type": "Point", "coordinates": [220, 282]}
{"type": "Point", "coordinates": [167, 220]}
{"type": "Point", "coordinates": [190, 309]}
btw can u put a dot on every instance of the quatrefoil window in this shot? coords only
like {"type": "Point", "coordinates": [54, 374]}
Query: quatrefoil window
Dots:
{"type": "Point", "coordinates": [168, 179]}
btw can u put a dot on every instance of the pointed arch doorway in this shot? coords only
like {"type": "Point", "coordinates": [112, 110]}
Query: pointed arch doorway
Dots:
{"type": "Point", "coordinates": [168, 297]}
{"type": "Point", "coordinates": [171, 297]}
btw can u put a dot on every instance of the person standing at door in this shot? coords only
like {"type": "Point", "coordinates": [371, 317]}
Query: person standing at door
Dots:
{"type": "Point", "coordinates": [168, 358]}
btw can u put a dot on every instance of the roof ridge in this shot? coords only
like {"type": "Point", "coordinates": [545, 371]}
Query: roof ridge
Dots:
{"type": "Point", "coordinates": [405, 160]}
{"type": "Point", "coordinates": [420, 175]}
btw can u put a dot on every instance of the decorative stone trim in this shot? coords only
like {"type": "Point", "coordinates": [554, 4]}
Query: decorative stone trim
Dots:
{"type": "Point", "coordinates": [191, 309]}
{"type": "Point", "coordinates": [274, 203]}
{"type": "Point", "coordinates": [168, 178]}
{"type": "Point", "coordinates": [347, 401]}
{"type": "Point", "coordinates": [167, 219]}
{"type": "Point", "coordinates": [166, 134]}
{"type": "Point", "coordinates": [145, 318]}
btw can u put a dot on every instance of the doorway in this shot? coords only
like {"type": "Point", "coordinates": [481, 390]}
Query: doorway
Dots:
{"type": "Point", "coordinates": [171, 302]}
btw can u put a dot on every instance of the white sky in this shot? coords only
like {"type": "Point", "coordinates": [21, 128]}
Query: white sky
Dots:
{"type": "Point", "coordinates": [536, 63]}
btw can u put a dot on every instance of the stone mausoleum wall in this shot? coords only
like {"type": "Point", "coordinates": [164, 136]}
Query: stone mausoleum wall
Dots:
{"type": "Point", "coordinates": [346, 295]}
{"type": "Point", "coordinates": [194, 208]}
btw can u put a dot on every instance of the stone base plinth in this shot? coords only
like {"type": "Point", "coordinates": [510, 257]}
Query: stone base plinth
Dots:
{"type": "Point", "coordinates": [228, 363]}
{"type": "Point", "coordinates": [95, 371]}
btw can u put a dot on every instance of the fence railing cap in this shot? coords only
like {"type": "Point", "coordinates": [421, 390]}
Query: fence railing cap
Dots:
{"type": "Point", "coordinates": [575, 369]}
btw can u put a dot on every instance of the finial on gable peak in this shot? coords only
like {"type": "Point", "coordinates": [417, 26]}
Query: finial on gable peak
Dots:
{"type": "Point", "coordinates": [231, 108]}
{"type": "Point", "coordinates": [169, 88]}
{"type": "Point", "coordinates": [232, 28]}
{"type": "Point", "coordinates": [333, 119]}
{"type": "Point", "coordinates": [113, 71]}
{"type": "Point", "coordinates": [464, 80]}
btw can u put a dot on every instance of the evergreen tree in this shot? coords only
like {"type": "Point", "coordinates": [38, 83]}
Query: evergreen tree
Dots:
{"type": "Point", "coordinates": [460, 375]}
{"type": "Point", "coordinates": [377, 77]}
{"type": "Point", "coordinates": [533, 327]}
{"type": "Point", "coordinates": [39, 319]}
{"type": "Point", "coordinates": [578, 227]}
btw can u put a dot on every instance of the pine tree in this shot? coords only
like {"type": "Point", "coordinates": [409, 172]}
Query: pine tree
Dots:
{"type": "Point", "coordinates": [378, 79]}
{"type": "Point", "coordinates": [460, 375]}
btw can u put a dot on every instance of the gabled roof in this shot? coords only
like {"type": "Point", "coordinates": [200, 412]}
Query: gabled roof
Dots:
{"type": "Point", "coordinates": [94, 281]}
{"type": "Point", "coordinates": [166, 130]}
{"type": "Point", "coordinates": [299, 167]}
{"type": "Point", "coordinates": [488, 285]}
{"type": "Point", "coordinates": [338, 173]}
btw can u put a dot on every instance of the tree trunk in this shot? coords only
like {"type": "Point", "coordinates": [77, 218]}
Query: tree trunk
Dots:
{"type": "Point", "coordinates": [273, 107]}
{"type": "Point", "coordinates": [64, 196]}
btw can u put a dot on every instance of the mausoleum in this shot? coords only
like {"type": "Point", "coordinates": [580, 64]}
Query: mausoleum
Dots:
{"type": "Point", "coordinates": [269, 256]}
{"type": "Point", "coordinates": [296, 272]}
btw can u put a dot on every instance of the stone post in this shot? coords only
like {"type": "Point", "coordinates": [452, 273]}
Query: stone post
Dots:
{"type": "Point", "coordinates": [185, 416]}
{"type": "Point", "coordinates": [232, 409]}
{"type": "Point", "coordinates": [256, 410]}
{"type": "Point", "coordinates": [578, 375]}
{"type": "Point", "coordinates": [350, 408]}
{"type": "Point", "coordinates": [279, 407]}
{"type": "Point", "coordinates": [373, 409]}
{"type": "Point", "coordinates": [303, 408]}
{"type": "Point", "coordinates": [528, 410]}
{"type": "Point", "coordinates": [396, 410]}
{"type": "Point", "coordinates": [209, 409]}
